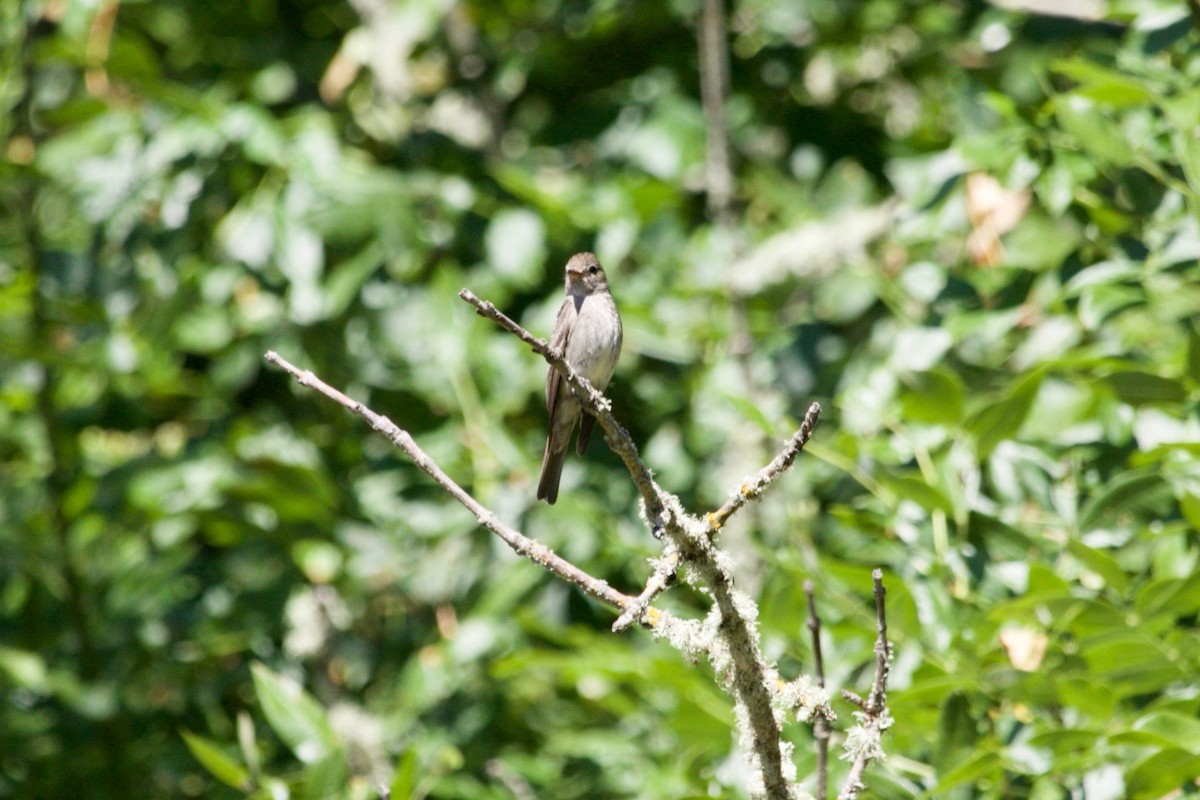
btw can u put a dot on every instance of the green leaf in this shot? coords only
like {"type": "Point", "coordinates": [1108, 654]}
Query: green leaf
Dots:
{"type": "Point", "coordinates": [911, 486]}
{"type": "Point", "coordinates": [750, 411]}
{"type": "Point", "coordinates": [405, 781]}
{"type": "Point", "coordinates": [1177, 597]}
{"type": "Point", "coordinates": [1130, 662]}
{"type": "Point", "coordinates": [222, 767]}
{"type": "Point", "coordinates": [347, 278]}
{"type": "Point", "coordinates": [932, 689]}
{"type": "Point", "coordinates": [1001, 420]}
{"type": "Point", "coordinates": [1183, 110]}
{"type": "Point", "coordinates": [985, 764]}
{"type": "Point", "coordinates": [294, 715]}
{"type": "Point", "coordinates": [1067, 741]}
{"type": "Point", "coordinates": [1180, 730]}
{"type": "Point", "coordinates": [1192, 363]}
{"type": "Point", "coordinates": [1079, 692]}
{"type": "Point", "coordinates": [1106, 87]}
{"type": "Point", "coordinates": [1128, 492]}
{"type": "Point", "coordinates": [1100, 563]}
{"type": "Point", "coordinates": [326, 778]}
{"type": "Point", "coordinates": [1187, 150]}
{"type": "Point", "coordinates": [24, 668]}
{"type": "Point", "coordinates": [1099, 303]}
{"type": "Point", "coordinates": [1161, 773]}
{"type": "Point", "coordinates": [1093, 131]}
{"type": "Point", "coordinates": [937, 396]}
{"type": "Point", "coordinates": [956, 731]}
{"type": "Point", "coordinates": [1141, 388]}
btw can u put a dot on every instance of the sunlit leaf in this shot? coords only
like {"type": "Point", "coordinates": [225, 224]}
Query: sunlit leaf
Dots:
{"type": "Point", "coordinates": [294, 715]}
{"type": "Point", "coordinates": [222, 767]}
{"type": "Point", "coordinates": [1161, 772]}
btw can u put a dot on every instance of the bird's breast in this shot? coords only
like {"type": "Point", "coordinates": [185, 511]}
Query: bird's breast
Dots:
{"type": "Point", "coordinates": [595, 340]}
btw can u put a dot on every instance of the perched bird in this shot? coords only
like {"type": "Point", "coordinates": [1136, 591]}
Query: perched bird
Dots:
{"type": "Point", "coordinates": [588, 331]}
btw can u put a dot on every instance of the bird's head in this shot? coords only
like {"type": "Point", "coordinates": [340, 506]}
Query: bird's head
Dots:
{"type": "Point", "coordinates": [585, 275]}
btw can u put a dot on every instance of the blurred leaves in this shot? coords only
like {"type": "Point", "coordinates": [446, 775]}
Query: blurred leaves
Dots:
{"type": "Point", "coordinates": [970, 232]}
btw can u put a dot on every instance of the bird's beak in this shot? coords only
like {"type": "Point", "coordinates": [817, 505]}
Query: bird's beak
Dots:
{"type": "Point", "coordinates": [575, 273]}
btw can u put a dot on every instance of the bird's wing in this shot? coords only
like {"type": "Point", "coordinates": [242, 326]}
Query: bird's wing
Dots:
{"type": "Point", "coordinates": [558, 339]}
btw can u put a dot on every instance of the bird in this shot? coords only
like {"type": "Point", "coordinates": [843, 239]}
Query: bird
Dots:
{"type": "Point", "coordinates": [587, 331]}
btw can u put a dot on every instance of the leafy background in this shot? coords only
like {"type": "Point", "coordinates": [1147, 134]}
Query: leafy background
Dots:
{"type": "Point", "coordinates": [970, 231]}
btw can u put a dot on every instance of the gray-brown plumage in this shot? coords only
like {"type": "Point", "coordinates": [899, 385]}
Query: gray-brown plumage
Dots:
{"type": "Point", "coordinates": [588, 329]}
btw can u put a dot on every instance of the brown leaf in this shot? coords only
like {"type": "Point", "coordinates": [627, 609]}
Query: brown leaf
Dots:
{"type": "Point", "coordinates": [993, 211]}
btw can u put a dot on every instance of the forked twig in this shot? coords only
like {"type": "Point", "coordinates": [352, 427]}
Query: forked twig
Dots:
{"type": "Point", "coordinates": [863, 741]}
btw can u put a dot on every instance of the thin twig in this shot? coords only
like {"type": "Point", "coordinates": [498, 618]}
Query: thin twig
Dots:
{"type": "Point", "coordinates": [659, 580]}
{"type": "Point", "coordinates": [820, 724]}
{"type": "Point", "coordinates": [863, 740]}
{"type": "Point", "coordinates": [593, 401]}
{"type": "Point", "coordinates": [754, 487]}
{"type": "Point", "coordinates": [883, 650]}
{"type": "Point", "coordinates": [522, 545]}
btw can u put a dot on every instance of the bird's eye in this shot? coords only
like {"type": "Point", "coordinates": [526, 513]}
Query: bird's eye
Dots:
{"type": "Point", "coordinates": [593, 269]}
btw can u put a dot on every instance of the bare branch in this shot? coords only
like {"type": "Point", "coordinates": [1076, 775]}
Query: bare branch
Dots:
{"type": "Point", "coordinates": [714, 88]}
{"type": "Point", "coordinates": [863, 740]}
{"type": "Point", "coordinates": [754, 487]}
{"type": "Point", "coordinates": [522, 545]}
{"type": "Point", "coordinates": [595, 402]}
{"type": "Point", "coordinates": [820, 724]}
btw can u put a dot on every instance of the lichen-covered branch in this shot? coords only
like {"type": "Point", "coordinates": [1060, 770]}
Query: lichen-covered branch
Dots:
{"type": "Point", "coordinates": [734, 655]}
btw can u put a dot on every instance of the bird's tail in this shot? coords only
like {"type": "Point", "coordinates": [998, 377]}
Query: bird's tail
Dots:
{"type": "Point", "coordinates": [552, 464]}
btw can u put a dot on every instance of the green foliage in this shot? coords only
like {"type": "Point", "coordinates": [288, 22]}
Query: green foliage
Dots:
{"type": "Point", "coordinates": [971, 233]}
